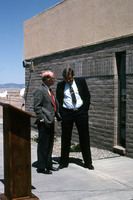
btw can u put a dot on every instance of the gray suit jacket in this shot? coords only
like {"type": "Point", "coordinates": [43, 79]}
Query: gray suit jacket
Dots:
{"type": "Point", "coordinates": [43, 106]}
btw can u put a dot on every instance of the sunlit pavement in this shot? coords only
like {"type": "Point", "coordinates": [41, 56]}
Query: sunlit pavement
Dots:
{"type": "Point", "coordinates": [112, 179]}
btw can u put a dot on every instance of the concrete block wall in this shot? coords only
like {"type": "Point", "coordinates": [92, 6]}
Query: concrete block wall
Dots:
{"type": "Point", "coordinates": [129, 102]}
{"type": "Point", "coordinates": [101, 114]}
{"type": "Point", "coordinates": [129, 117]}
{"type": "Point", "coordinates": [97, 64]}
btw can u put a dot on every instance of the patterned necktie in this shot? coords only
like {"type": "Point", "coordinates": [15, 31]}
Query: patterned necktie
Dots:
{"type": "Point", "coordinates": [72, 94]}
{"type": "Point", "coordinates": [52, 97]}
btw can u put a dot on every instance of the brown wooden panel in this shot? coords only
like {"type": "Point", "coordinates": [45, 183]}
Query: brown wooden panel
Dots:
{"type": "Point", "coordinates": [32, 197]}
{"type": "Point", "coordinates": [17, 154]}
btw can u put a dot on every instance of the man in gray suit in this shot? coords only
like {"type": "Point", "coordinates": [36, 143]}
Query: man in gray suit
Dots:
{"type": "Point", "coordinates": [46, 108]}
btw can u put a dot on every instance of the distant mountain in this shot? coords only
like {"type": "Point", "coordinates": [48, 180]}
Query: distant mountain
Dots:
{"type": "Point", "coordinates": [12, 85]}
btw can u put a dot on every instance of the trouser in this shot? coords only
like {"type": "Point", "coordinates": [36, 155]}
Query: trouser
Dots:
{"type": "Point", "coordinates": [45, 146]}
{"type": "Point", "coordinates": [80, 118]}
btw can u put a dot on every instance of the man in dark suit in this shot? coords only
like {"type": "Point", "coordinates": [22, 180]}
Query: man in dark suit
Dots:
{"type": "Point", "coordinates": [74, 101]}
{"type": "Point", "coordinates": [46, 108]}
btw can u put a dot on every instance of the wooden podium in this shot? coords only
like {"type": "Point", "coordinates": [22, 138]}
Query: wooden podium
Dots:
{"type": "Point", "coordinates": [17, 154]}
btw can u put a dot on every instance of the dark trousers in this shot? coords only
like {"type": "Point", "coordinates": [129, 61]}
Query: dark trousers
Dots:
{"type": "Point", "coordinates": [45, 146]}
{"type": "Point", "coordinates": [80, 118]}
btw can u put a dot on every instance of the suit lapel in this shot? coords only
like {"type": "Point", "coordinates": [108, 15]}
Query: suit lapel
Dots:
{"type": "Point", "coordinates": [77, 83]}
{"type": "Point", "coordinates": [79, 86]}
{"type": "Point", "coordinates": [63, 88]}
{"type": "Point", "coordinates": [47, 93]}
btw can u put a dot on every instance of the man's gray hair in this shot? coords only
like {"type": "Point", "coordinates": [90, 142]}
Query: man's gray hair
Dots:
{"type": "Point", "coordinates": [46, 75]}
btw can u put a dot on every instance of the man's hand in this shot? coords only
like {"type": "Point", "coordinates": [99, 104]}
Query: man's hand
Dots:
{"type": "Point", "coordinates": [42, 120]}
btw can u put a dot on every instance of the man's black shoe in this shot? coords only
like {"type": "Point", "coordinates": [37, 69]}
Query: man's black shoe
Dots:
{"type": "Point", "coordinates": [53, 169]}
{"type": "Point", "coordinates": [43, 171]}
{"type": "Point", "coordinates": [62, 166]}
{"type": "Point", "coordinates": [91, 167]}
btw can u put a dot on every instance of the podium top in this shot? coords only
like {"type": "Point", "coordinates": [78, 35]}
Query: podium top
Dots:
{"type": "Point", "coordinates": [17, 109]}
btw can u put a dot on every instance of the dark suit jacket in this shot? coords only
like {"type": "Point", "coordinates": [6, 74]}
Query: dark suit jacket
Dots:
{"type": "Point", "coordinates": [83, 92]}
{"type": "Point", "coordinates": [43, 105]}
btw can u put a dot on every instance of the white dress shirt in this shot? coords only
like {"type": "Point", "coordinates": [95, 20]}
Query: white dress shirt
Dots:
{"type": "Point", "coordinates": [67, 103]}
